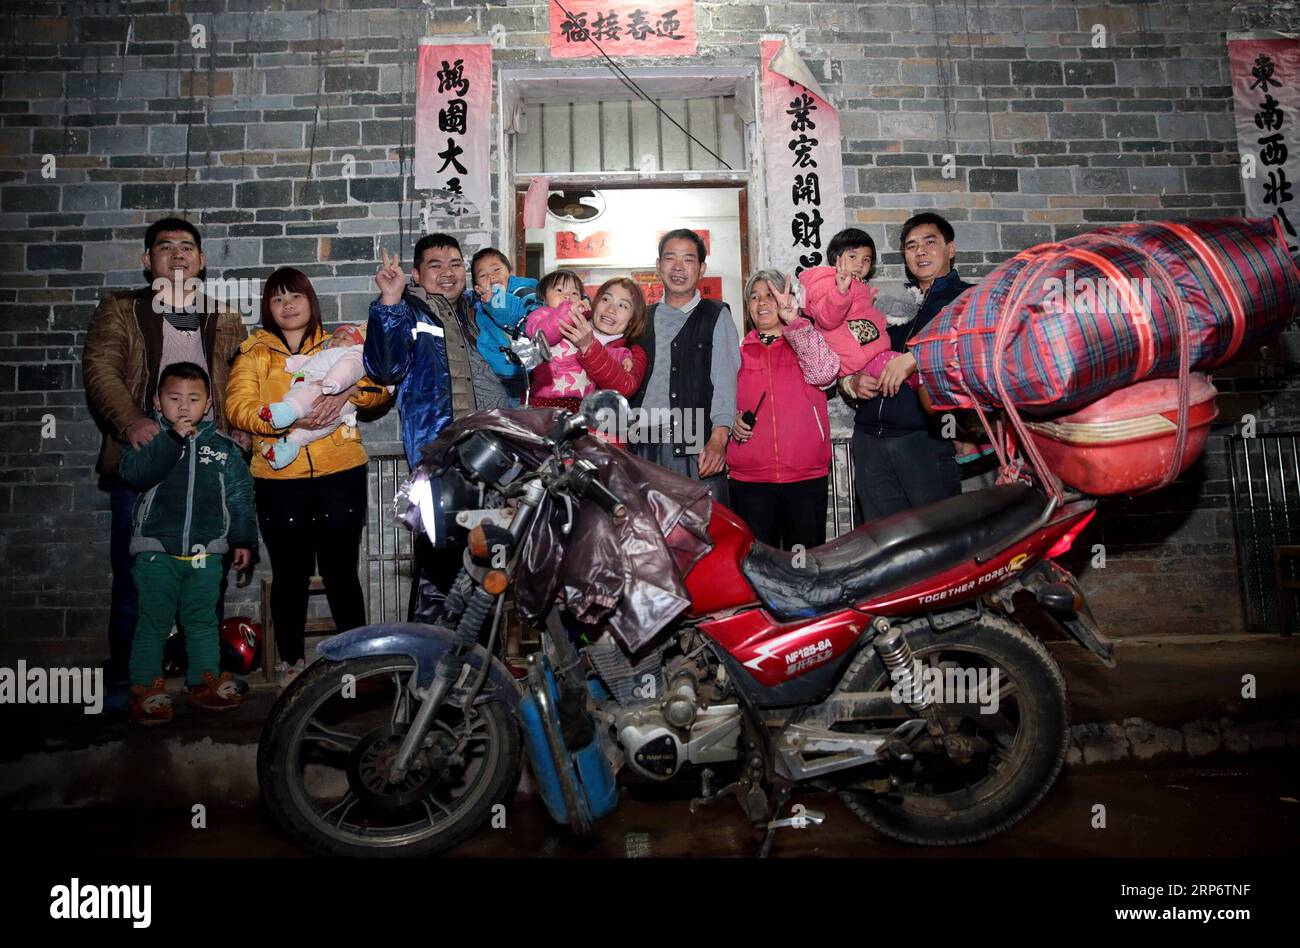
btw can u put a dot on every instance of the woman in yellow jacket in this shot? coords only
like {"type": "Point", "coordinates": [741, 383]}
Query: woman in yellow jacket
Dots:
{"type": "Point", "coordinates": [311, 511]}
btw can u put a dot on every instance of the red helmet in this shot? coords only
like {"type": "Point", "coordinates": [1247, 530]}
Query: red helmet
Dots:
{"type": "Point", "coordinates": [241, 644]}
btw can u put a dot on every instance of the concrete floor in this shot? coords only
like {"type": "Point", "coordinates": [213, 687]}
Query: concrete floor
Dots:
{"type": "Point", "coordinates": [1167, 680]}
{"type": "Point", "coordinates": [1244, 808]}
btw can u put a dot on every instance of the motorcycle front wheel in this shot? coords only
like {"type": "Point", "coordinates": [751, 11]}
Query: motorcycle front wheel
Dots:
{"type": "Point", "coordinates": [1019, 729]}
{"type": "Point", "coordinates": [322, 763]}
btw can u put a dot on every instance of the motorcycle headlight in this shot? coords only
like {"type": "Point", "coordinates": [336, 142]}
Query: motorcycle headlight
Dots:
{"type": "Point", "coordinates": [428, 504]}
{"type": "Point", "coordinates": [421, 498]}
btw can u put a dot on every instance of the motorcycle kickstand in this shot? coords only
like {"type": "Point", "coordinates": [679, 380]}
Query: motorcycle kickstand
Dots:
{"type": "Point", "coordinates": [780, 796]}
{"type": "Point", "coordinates": [802, 819]}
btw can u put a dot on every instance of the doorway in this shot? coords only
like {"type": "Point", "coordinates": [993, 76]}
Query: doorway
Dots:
{"type": "Point", "coordinates": [621, 170]}
{"type": "Point", "coordinates": [614, 231]}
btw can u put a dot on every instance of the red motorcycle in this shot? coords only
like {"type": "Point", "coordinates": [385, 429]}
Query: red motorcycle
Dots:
{"type": "Point", "coordinates": [885, 666]}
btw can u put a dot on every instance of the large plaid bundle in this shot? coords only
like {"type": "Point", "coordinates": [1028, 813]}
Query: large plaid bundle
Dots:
{"type": "Point", "coordinates": [1097, 312]}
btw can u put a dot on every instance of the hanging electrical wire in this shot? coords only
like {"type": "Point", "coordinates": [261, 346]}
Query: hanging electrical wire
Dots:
{"type": "Point", "coordinates": [631, 84]}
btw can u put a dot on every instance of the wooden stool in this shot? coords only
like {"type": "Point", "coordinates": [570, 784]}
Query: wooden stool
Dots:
{"type": "Point", "coordinates": [317, 585]}
{"type": "Point", "coordinates": [1285, 587]}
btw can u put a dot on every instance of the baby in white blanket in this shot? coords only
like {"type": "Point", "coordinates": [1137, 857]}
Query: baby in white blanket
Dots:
{"type": "Point", "coordinates": [334, 369]}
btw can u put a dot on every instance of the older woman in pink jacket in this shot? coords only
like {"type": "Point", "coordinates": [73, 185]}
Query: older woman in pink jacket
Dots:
{"type": "Point", "coordinates": [780, 448]}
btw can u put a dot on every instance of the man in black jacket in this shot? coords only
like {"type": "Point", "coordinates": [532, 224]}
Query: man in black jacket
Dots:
{"type": "Point", "coordinates": [899, 459]}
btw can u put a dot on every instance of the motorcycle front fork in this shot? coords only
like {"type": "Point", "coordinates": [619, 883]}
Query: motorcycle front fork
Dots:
{"type": "Point", "coordinates": [450, 665]}
{"type": "Point", "coordinates": [469, 605]}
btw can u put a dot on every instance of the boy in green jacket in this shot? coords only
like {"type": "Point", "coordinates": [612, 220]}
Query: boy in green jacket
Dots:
{"type": "Point", "coordinates": [196, 499]}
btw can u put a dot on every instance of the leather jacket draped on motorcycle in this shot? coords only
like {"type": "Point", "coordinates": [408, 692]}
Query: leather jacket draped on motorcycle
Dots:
{"type": "Point", "coordinates": [627, 573]}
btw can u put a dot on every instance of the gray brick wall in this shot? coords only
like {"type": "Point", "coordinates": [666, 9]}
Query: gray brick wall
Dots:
{"type": "Point", "coordinates": [247, 137]}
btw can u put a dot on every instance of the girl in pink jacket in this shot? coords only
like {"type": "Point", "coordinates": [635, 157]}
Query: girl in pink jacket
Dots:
{"type": "Point", "coordinates": [779, 454]}
{"type": "Point", "coordinates": [587, 354]}
{"type": "Point", "coordinates": [839, 301]}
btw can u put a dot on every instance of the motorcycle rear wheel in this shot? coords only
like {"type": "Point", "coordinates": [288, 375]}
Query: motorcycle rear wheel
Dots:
{"type": "Point", "coordinates": [347, 738]}
{"type": "Point", "coordinates": [939, 803]}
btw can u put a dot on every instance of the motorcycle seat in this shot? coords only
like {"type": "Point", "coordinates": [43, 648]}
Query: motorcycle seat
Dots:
{"type": "Point", "coordinates": [889, 553]}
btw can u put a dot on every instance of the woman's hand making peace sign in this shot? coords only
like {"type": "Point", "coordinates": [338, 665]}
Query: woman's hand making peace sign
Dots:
{"type": "Point", "coordinates": [786, 309]}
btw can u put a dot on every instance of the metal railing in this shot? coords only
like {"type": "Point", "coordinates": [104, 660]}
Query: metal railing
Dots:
{"type": "Point", "coordinates": [840, 512]}
{"type": "Point", "coordinates": [388, 548]}
{"type": "Point", "coordinates": [1264, 474]}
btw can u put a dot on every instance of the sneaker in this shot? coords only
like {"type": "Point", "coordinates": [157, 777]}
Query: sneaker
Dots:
{"type": "Point", "coordinates": [286, 673]}
{"type": "Point", "coordinates": [150, 705]}
{"type": "Point", "coordinates": [215, 694]}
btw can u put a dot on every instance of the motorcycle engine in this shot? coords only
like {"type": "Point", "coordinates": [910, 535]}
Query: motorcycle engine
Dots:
{"type": "Point", "coordinates": [656, 749]}
{"type": "Point", "coordinates": [628, 681]}
{"type": "Point", "coordinates": [659, 729]}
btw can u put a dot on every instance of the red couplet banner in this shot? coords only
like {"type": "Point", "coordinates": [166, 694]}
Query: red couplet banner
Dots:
{"type": "Point", "coordinates": [805, 178]}
{"type": "Point", "coordinates": [1266, 103]}
{"type": "Point", "coordinates": [453, 109]}
{"type": "Point", "coordinates": [622, 28]}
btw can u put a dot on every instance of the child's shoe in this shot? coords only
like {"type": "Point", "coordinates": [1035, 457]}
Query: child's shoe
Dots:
{"type": "Point", "coordinates": [286, 673]}
{"type": "Point", "coordinates": [150, 705]}
{"type": "Point", "coordinates": [279, 454]}
{"type": "Point", "coordinates": [215, 694]}
{"type": "Point", "coordinates": [279, 414]}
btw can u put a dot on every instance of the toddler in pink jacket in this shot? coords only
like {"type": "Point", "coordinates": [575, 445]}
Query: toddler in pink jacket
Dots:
{"type": "Point", "coordinates": [854, 328]}
{"type": "Point", "coordinates": [567, 377]}
{"type": "Point", "coordinates": [849, 322]}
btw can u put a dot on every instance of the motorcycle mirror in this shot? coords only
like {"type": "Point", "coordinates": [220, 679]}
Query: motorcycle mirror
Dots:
{"type": "Point", "coordinates": [607, 410]}
{"type": "Point", "coordinates": [543, 347]}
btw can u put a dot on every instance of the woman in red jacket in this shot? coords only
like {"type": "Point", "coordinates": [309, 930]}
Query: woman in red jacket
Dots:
{"type": "Point", "coordinates": [779, 463]}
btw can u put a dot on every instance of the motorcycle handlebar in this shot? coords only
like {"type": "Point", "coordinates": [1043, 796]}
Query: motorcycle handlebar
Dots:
{"type": "Point", "coordinates": [567, 428]}
{"type": "Point", "coordinates": [583, 477]}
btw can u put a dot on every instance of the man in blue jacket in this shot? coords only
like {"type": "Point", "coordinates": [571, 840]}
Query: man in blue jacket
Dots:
{"type": "Point", "coordinates": [422, 338]}
{"type": "Point", "coordinates": [899, 459]}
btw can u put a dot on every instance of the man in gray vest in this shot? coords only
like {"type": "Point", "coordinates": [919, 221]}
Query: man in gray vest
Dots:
{"type": "Point", "coordinates": [688, 399]}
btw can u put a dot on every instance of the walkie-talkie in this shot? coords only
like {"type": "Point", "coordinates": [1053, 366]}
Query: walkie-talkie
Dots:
{"type": "Point", "coordinates": [751, 416]}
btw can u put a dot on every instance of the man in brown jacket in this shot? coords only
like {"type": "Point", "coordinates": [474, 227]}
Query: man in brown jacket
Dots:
{"type": "Point", "coordinates": [133, 336]}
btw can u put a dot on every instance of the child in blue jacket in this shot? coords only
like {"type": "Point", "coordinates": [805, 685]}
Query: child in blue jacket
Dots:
{"type": "Point", "coordinates": [196, 503]}
{"type": "Point", "coordinates": [502, 301]}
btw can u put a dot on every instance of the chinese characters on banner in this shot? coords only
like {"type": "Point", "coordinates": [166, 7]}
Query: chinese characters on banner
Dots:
{"type": "Point", "coordinates": [622, 28]}
{"type": "Point", "coordinates": [1266, 102]}
{"type": "Point", "coordinates": [805, 180]}
{"type": "Point", "coordinates": [569, 246]}
{"type": "Point", "coordinates": [453, 108]}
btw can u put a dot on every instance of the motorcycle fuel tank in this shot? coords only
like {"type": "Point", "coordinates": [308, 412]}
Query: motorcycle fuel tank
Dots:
{"type": "Point", "coordinates": [716, 581]}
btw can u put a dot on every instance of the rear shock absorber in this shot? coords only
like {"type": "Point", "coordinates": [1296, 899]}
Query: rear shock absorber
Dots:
{"type": "Point", "coordinates": [894, 651]}
{"type": "Point", "coordinates": [892, 647]}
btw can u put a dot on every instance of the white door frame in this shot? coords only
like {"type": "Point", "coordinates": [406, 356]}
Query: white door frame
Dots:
{"type": "Point", "coordinates": [742, 80]}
